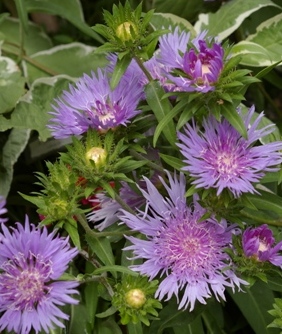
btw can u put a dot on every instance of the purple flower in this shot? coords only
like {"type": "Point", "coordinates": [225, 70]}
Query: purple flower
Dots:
{"type": "Point", "coordinates": [3, 210]}
{"type": "Point", "coordinates": [92, 104]}
{"type": "Point", "coordinates": [219, 157]}
{"type": "Point", "coordinates": [107, 212]}
{"type": "Point", "coordinates": [201, 63]}
{"type": "Point", "coordinates": [187, 253]}
{"type": "Point", "coordinates": [31, 262]}
{"type": "Point", "coordinates": [259, 242]}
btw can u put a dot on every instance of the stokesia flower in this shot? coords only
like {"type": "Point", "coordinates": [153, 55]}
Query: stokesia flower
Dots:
{"type": "Point", "coordinates": [187, 253]}
{"type": "Point", "coordinates": [219, 157]}
{"type": "Point", "coordinates": [91, 103]}
{"type": "Point", "coordinates": [258, 242]}
{"type": "Point", "coordinates": [3, 210]}
{"type": "Point", "coordinates": [200, 62]}
{"type": "Point", "coordinates": [31, 262]}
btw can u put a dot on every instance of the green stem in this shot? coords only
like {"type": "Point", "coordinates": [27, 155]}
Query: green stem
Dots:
{"type": "Point", "coordinates": [143, 68]}
{"type": "Point", "coordinates": [31, 61]}
{"type": "Point", "coordinates": [269, 99]}
{"type": "Point", "coordinates": [151, 164]}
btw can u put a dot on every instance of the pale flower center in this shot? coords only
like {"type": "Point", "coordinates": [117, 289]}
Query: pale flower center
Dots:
{"type": "Point", "coordinates": [262, 246]}
{"type": "Point", "coordinates": [226, 163]}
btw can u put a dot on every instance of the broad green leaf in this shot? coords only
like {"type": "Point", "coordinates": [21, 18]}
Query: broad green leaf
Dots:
{"type": "Point", "coordinates": [71, 10]}
{"type": "Point", "coordinates": [12, 149]}
{"type": "Point", "coordinates": [102, 248]}
{"type": "Point", "coordinates": [115, 268]}
{"type": "Point", "coordinates": [229, 17]}
{"type": "Point", "coordinates": [72, 59]}
{"type": "Point", "coordinates": [71, 228]}
{"type": "Point", "coordinates": [11, 84]}
{"type": "Point", "coordinates": [172, 161]}
{"type": "Point", "coordinates": [32, 110]}
{"type": "Point", "coordinates": [161, 107]}
{"type": "Point", "coordinates": [166, 20]}
{"type": "Point", "coordinates": [195, 327]}
{"type": "Point", "coordinates": [252, 54]}
{"type": "Point", "coordinates": [254, 303]}
{"type": "Point", "coordinates": [269, 36]}
{"type": "Point", "coordinates": [185, 9]}
{"type": "Point", "coordinates": [119, 70]}
{"type": "Point", "coordinates": [35, 40]}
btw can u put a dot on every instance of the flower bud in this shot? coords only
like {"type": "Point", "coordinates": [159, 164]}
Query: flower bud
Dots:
{"type": "Point", "coordinates": [135, 298]}
{"type": "Point", "coordinates": [123, 31]}
{"type": "Point", "coordinates": [97, 154]}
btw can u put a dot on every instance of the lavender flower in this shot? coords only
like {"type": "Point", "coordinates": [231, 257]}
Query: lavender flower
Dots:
{"type": "Point", "coordinates": [31, 261]}
{"type": "Point", "coordinates": [92, 104]}
{"type": "Point", "coordinates": [188, 253]}
{"type": "Point", "coordinates": [219, 157]}
{"type": "Point", "coordinates": [259, 242]}
{"type": "Point", "coordinates": [3, 210]}
{"type": "Point", "coordinates": [201, 64]}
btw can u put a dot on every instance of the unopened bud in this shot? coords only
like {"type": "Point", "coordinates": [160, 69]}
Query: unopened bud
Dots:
{"type": "Point", "coordinates": [123, 31]}
{"type": "Point", "coordinates": [135, 298]}
{"type": "Point", "coordinates": [97, 154]}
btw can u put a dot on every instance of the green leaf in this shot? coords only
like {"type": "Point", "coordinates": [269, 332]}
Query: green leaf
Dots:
{"type": "Point", "coordinates": [254, 303]}
{"type": "Point", "coordinates": [102, 248]}
{"type": "Point", "coordinates": [119, 70]}
{"type": "Point", "coordinates": [134, 328]}
{"type": "Point", "coordinates": [71, 228]}
{"type": "Point", "coordinates": [115, 268]}
{"type": "Point", "coordinates": [71, 10]}
{"type": "Point", "coordinates": [230, 113]}
{"type": "Point", "coordinates": [229, 17]}
{"type": "Point", "coordinates": [31, 112]}
{"type": "Point", "coordinates": [110, 311]}
{"type": "Point", "coordinates": [36, 40]}
{"type": "Point", "coordinates": [172, 161]}
{"type": "Point", "coordinates": [267, 201]}
{"type": "Point", "coordinates": [14, 146]}
{"type": "Point", "coordinates": [186, 9]}
{"type": "Point", "coordinates": [161, 107]}
{"type": "Point", "coordinates": [11, 84]}
{"type": "Point", "coordinates": [161, 21]}
{"type": "Point", "coordinates": [72, 59]}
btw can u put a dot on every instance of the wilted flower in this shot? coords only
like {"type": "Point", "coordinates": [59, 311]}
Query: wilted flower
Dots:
{"type": "Point", "coordinates": [31, 262]}
{"type": "Point", "coordinates": [3, 210]}
{"type": "Point", "coordinates": [200, 63]}
{"type": "Point", "coordinates": [91, 104]}
{"type": "Point", "coordinates": [258, 242]}
{"type": "Point", "coordinates": [219, 157]}
{"type": "Point", "coordinates": [188, 253]}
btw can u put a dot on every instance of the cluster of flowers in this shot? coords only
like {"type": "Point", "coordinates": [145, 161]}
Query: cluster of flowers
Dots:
{"type": "Point", "coordinates": [185, 250]}
{"type": "Point", "coordinates": [178, 245]}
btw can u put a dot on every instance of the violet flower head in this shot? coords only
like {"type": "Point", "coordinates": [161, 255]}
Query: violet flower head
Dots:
{"type": "Point", "coordinates": [201, 61]}
{"type": "Point", "coordinates": [91, 103]}
{"type": "Point", "coordinates": [188, 254]}
{"type": "Point", "coordinates": [31, 261]}
{"type": "Point", "coordinates": [219, 157]}
{"type": "Point", "coordinates": [258, 242]}
{"type": "Point", "coordinates": [3, 210]}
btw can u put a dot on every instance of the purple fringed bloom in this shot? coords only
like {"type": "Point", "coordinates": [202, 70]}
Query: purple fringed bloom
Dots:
{"type": "Point", "coordinates": [92, 104]}
{"type": "Point", "coordinates": [259, 242]}
{"type": "Point", "coordinates": [31, 260]}
{"type": "Point", "coordinates": [219, 157]}
{"type": "Point", "coordinates": [3, 210]}
{"type": "Point", "coordinates": [188, 253]}
{"type": "Point", "coordinates": [201, 63]}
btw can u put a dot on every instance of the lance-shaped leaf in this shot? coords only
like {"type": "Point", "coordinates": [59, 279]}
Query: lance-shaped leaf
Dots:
{"type": "Point", "coordinates": [229, 17]}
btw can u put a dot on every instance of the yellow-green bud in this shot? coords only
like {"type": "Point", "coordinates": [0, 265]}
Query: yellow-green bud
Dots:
{"type": "Point", "coordinates": [135, 298]}
{"type": "Point", "coordinates": [123, 31]}
{"type": "Point", "coordinates": [97, 154]}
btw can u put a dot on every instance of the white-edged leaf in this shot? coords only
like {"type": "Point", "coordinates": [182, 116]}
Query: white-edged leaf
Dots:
{"type": "Point", "coordinates": [229, 17]}
{"type": "Point", "coordinates": [11, 84]}
{"type": "Point", "coordinates": [12, 149]}
{"type": "Point", "coordinates": [166, 20]}
{"type": "Point", "coordinates": [32, 110]}
{"type": "Point", "coordinates": [35, 40]}
{"type": "Point", "coordinates": [72, 59]}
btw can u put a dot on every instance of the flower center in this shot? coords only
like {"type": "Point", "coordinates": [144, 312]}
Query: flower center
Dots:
{"type": "Point", "coordinates": [226, 163]}
{"type": "Point", "coordinates": [263, 246]}
{"type": "Point", "coordinates": [103, 111]}
{"type": "Point", "coordinates": [186, 247]}
{"type": "Point", "coordinates": [22, 286]}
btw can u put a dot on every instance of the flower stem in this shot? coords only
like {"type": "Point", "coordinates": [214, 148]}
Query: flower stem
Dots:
{"type": "Point", "coordinates": [143, 68]}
